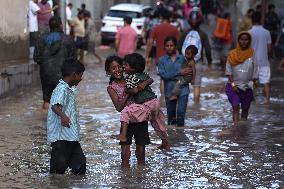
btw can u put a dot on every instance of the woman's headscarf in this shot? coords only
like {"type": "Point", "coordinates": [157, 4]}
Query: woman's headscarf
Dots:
{"type": "Point", "coordinates": [239, 55]}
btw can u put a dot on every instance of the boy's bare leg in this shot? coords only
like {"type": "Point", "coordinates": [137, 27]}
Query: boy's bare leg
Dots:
{"type": "Point", "coordinates": [196, 95]}
{"type": "Point", "coordinates": [125, 156]}
{"type": "Point", "coordinates": [140, 154]}
{"type": "Point", "coordinates": [98, 57]}
{"type": "Point", "coordinates": [266, 91]}
{"type": "Point", "coordinates": [165, 144]}
{"type": "Point", "coordinates": [81, 56]}
{"type": "Point", "coordinates": [123, 132]}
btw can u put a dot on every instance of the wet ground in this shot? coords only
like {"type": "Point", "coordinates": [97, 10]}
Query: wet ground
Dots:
{"type": "Point", "coordinates": [209, 152]}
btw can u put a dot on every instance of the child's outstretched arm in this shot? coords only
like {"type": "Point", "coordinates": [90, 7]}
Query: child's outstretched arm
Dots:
{"type": "Point", "coordinates": [65, 121]}
{"type": "Point", "coordinates": [118, 104]}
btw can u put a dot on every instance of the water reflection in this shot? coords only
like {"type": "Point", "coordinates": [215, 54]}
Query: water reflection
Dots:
{"type": "Point", "coordinates": [209, 152]}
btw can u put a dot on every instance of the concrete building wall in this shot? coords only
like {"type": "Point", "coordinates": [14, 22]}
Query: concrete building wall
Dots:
{"type": "Point", "coordinates": [14, 39]}
{"type": "Point", "coordinates": [15, 68]}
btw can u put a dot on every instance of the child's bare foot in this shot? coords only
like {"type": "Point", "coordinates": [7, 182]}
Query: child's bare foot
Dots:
{"type": "Point", "coordinates": [164, 146]}
{"type": "Point", "coordinates": [173, 97]}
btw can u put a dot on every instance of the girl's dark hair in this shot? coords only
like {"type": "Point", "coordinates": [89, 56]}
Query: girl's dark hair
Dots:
{"type": "Point", "coordinates": [72, 66]}
{"type": "Point", "coordinates": [108, 62]}
{"type": "Point", "coordinates": [170, 38]}
{"type": "Point", "coordinates": [136, 61]}
{"type": "Point", "coordinates": [193, 49]}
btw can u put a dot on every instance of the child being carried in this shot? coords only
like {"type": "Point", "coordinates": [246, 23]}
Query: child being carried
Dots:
{"type": "Point", "coordinates": [146, 106]}
{"type": "Point", "coordinates": [190, 52]}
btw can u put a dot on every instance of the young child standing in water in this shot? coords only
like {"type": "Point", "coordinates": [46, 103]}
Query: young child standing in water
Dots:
{"type": "Point", "coordinates": [241, 70]}
{"type": "Point", "coordinates": [63, 129]}
{"type": "Point", "coordinates": [138, 106]}
{"type": "Point", "coordinates": [190, 52]}
{"type": "Point", "coordinates": [169, 67]}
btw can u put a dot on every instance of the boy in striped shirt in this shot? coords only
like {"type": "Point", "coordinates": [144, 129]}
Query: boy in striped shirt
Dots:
{"type": "Point", "coordinates": [63, 129]}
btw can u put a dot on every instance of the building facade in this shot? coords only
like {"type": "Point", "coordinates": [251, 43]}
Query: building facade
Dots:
{"type": "Point", "coordinates": [15, 68]}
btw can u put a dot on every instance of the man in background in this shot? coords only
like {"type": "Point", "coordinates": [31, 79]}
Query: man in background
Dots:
{"type": "Point", "coordinates": [68, 18]}
{"type": "Point", "coordinates": [261, 44]}
{"type": "Point", "coordinates": [126, 39]}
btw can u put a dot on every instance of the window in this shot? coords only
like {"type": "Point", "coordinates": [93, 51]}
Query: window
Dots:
{"type": "Point", "coordinates": [147, 11]}
{"type": "Point", "coordinates": [122, 14]}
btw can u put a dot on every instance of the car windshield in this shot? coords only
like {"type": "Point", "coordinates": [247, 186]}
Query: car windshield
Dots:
{"type": "Point", "coordinates": [122, 14]}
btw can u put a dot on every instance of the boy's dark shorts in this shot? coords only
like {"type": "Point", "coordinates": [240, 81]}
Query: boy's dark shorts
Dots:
{"type": "Point", "coordinates": [140, 133]}
{"type": "Point", "coordinates": [33, 38]}
{"type": "Point", "coordinates": [81, 43]}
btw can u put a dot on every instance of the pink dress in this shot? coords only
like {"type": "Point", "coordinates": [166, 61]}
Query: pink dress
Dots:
{"type": "Point", "coordinates": [148, 111]}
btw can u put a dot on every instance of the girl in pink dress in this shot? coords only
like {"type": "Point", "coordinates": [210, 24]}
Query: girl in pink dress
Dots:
{"type": "Point", "coordinates": [124, 102]}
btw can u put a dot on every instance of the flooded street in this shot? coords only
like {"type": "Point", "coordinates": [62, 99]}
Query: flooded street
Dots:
{"type": "Point", "coordinates": [209, 152]}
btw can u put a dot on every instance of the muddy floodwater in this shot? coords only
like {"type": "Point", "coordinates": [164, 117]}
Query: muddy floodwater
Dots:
{"type": "Point", "coordinates": [209, 152]}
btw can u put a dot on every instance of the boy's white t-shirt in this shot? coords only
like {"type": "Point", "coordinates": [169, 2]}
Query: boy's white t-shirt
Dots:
{"type": "Point", "coordinates": [68, 18]}
{"type": "Point", "coordinates": [33, 8]}
{"type": "Point", "coordinates": [260, 39]}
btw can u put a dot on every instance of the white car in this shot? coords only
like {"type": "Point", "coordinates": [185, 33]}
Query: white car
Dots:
{"type": "Point", "coordinates": [114, 20]}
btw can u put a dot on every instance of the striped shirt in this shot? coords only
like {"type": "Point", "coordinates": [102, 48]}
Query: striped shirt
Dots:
{"type": "Point", "coordinates": [64, 96]}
